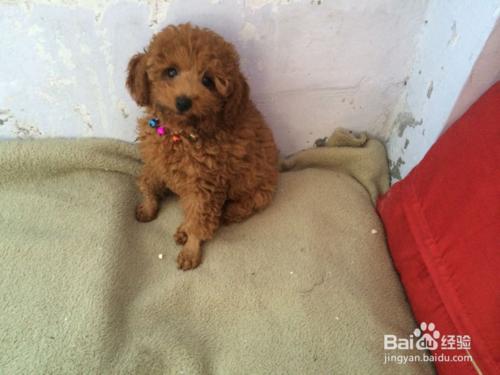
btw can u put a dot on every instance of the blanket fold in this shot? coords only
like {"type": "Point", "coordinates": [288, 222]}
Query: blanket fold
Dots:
{"type": "Point", "coordinates": [356, 155]}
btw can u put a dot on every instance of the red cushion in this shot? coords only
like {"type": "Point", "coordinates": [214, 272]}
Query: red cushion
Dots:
{"type": "Point", "coordinates": [443, 230]}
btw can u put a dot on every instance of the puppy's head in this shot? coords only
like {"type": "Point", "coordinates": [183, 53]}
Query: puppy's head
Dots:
{"type": "Point", "coordinates": [189, 73]}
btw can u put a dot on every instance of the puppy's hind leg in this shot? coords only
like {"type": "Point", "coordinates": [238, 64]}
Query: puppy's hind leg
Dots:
{"type": "Point", "coordinates": [151, 188]}
{"type": "Point", "coordinates": [235, 211]}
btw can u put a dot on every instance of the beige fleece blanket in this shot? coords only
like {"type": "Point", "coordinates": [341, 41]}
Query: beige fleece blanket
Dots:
{"type": "Point", "coordinates": [305, 287]}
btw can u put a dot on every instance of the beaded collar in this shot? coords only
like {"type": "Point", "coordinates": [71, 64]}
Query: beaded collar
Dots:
{"type": "Point", "coordinates": [164, 130]}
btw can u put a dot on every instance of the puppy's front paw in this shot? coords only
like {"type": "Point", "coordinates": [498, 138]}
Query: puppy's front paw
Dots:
{"type": "Point", "coordinates": [180, 236]}
{"type": "Point", "coordinates": [144, 213]}
{"type": "Point", "coordinates": [188, 258]}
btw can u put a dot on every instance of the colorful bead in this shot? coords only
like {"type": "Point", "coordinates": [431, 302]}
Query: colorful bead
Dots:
{"type": "Point", "coordinates": [160, 130]}
{"type": "Point", "coordinates": [153, 122]}
{"type": "Point", "coordinates": [176, 138]}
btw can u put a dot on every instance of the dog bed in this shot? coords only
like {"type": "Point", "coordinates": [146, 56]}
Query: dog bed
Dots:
{"type": "Point", "coordinates": [305, 287]}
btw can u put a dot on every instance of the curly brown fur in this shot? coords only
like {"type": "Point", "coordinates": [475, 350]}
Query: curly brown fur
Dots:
{"type": "Point", "coordinates": [228, 170]}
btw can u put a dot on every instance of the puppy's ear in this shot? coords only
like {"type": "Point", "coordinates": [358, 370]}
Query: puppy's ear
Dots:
{"type": "Point", "coordinates": [137, 80]}
{"type": "Point", "coordinates": [236, 93]}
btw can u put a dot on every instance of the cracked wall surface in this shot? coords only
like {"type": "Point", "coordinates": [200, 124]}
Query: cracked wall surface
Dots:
{"type": "Point", "coordinates": [312, 65]}
{"type": "Point", "coordinates": [457, 59]}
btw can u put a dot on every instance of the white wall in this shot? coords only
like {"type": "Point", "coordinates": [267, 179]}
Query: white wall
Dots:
{"type": "Point", "coordinates": [410, 67]}
{"type": "Point", "coordinates": [447, 63]}
{"type": "Point", "coordinates": [313, 65]}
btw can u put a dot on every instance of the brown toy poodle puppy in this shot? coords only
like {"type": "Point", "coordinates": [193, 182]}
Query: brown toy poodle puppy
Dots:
{"type": "Point", "coordinates": [201, 137]}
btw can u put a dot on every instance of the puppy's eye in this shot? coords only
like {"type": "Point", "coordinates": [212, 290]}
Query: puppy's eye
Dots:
{"type": "Point", "coordinates": [207, 82]}
{"type": "Point", "coordinates": [169, 72]}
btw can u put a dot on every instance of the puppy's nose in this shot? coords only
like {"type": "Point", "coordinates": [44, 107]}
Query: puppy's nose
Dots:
{"type": "Point", "coordinates": [183, 103]}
